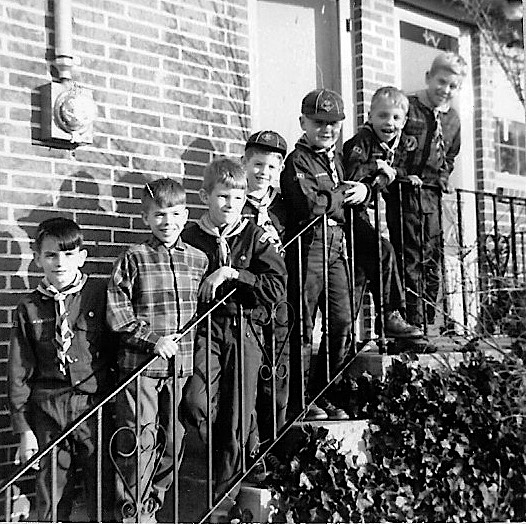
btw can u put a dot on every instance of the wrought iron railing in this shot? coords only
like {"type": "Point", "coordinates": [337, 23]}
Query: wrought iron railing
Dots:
{"type": "Point", "coordinates": [483, 271]}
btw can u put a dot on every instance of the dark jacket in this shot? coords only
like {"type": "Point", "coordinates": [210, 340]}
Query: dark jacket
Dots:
{"type": "Point", "coordinates": [262, 277]}
{"type": "Point", "coordinates": [424, 161]}
{"type": "Point", "coordinates": [33, 365]}
{"type": "Point", "coordinates": [361, 152]}
{"type": "Point", "coordinates": [308, 189]}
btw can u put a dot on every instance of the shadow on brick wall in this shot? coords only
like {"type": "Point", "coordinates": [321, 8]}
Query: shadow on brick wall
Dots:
{"type": "Point", "coordinates": [197, 155]}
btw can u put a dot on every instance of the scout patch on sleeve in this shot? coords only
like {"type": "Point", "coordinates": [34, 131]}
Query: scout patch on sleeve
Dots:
{"type": "Point", "coordinates": [411, 143]}
{"type": "Point", "coordinates": [357, 149]}
{"type": "Point", "coordinates": [300, 175]}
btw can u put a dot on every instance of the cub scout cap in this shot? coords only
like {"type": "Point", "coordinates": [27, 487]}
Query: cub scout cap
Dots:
{"type": "Point", "coordinates": [450, 62]}
{"type": "Point", "coordinates": [269, 140]}
{"type": "Point", "coordinates": [323, 104]}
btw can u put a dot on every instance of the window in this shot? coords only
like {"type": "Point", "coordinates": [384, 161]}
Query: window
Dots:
{"type": "Point", "coordinates": [510, 147]}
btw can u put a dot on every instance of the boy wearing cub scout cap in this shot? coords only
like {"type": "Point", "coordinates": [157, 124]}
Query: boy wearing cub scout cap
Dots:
{"type": "Point", "coordinates": [312, 184]}
{"type": "Point", "coordinates": [263, 160]}
{"type": "Point", "coordinates": [434, 127]}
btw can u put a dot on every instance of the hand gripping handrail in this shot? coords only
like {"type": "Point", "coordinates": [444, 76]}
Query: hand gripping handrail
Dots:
{"type": "Point", "coordinates": [191, 324]}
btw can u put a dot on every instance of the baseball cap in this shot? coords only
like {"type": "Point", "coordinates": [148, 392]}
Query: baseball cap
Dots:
{"type": "Point", "coordinates": [323, 104]}
{"type": "Point", "coordinates": [269, 140]}
{"type": "Point", "coordinates": [450, 62]}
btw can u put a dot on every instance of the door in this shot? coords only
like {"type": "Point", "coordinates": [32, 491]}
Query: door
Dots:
{"type": "Point", "coordinates": [297, 47]}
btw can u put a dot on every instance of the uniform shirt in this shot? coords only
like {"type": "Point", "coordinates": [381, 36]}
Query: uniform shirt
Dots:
{"type": "Point", "coordinates": [153, 293]}
{"type": "Point", "coordinates": [262, 276]}
{"type": "Point", "coordinates": [421, 124]}
{"type": "Point", "coordinates": [308, 189]}
{"type": "Point", "coordinates": [33, 364]}
{"type": "Point", "coordinates": [361, 152]}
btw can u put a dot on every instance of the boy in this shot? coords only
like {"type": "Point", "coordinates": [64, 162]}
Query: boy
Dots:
{"type": "Point", "coordinates": [368, 157]}
{"type": "Point", "coordinates": [241, 256]}
{"type": "Point", "coordinates": [264, 157]}
{"type": "Point", "coordinates": [61, 362]}
{"type": "Point", "coordinates": [312, 184]}
{"type": "Point", "coordinates": [433, 127]}
{"type": "Point", "coordinates": [152, 294]}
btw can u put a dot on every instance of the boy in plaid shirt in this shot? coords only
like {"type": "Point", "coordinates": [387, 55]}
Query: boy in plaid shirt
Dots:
{"type": "Point", "coordinates": [152, 294]}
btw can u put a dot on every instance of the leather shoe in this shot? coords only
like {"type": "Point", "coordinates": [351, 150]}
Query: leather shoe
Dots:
{"type": "Point", "coordinates": [396, 327]}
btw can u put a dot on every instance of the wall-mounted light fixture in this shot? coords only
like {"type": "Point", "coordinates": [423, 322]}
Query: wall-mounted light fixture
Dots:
{"type": "Point", "coordinates": [67, 109]}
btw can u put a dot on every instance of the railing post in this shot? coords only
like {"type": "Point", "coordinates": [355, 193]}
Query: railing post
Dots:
{"type": "Point", "coordinates": [274, 369]}
{"type": "Point", "coordinates": [99, 464]}
{"type": "Point", "coordinates": [241, 385]}
{"type": "Point", "coordinates": [138, 478]}
{"type": "Point", "coordinates": [445, 306]}
{"type": "Point", "coordinates": [54, 502]}
{"type": "Point", "coordinates": [325, 309]}
{"type": "Point", "coordinates": [176, 453]}
{"type": "Point", "coordinates": [209, 443]}
{"type": "Point", "coordinates": [461, 257]}
{"type": "Point", "coordinates": [349, 267]}
{"type": "Point", "coordinates": [380, 313]}
{"type": "Point", "coordinates": [422, 277]}
{"type": "Point", "coordinates": [513, 241]}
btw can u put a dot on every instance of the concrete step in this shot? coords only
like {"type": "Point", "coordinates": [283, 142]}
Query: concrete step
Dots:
{"type": "Point", "coordinates": [449, 352]}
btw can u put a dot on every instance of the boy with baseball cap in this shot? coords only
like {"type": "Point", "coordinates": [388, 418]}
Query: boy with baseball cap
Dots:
{"type": "Point", "coordinates": [263, 160]}
{"type": "Point", "coordinates": [312, 184]}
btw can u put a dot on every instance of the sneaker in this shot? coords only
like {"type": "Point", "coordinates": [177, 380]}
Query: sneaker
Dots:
{"type": "Point", "coordinates": [316, 413]}
{"type": "Point", "coordinates": [395, 326]}
{"type": "Point", "coordinates": [333, 412]}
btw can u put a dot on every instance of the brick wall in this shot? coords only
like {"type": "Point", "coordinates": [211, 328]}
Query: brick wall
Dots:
{"type": "Point", "coordinates": [169, 79]}
{"type": "Point", "coordinates": [375, 61]}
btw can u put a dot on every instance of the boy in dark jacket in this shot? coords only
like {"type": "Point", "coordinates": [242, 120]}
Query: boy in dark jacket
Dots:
{"type": "Point", "coordinates": [312, 184]}
{"type": "Point", "coordinates": [61, 361]}
{"type": "Point", "coordinates": [368, 157]}
{"type": "Point", "coordinates": [240, 256]}
{"type": "Point", "coordinates": [433, 127]}
{"type": "Point", "coordinates": [263, 160]}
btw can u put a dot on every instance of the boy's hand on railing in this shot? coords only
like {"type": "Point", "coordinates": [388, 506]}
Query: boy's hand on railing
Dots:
{"type": "Point", "coordinates": [386, 174]}
{"type": "Point", "coordinates": [27, 448]}
{"type": "Point", "coordinates": [212, 282]}
{"type": "Point", "coordinates": [356, 192]}
{"type": "Point", "coordinates": [415, 180]}
{"type": "Point", "coordinates": [444, 186]}
{"type": "Point", "coordinates": [166, 347]}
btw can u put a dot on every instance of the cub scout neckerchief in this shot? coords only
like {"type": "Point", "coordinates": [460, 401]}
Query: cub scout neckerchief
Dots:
{"type": "Point", "coordinates": [329, 153]}
{"type": "Point", "coordinates": [221, 235]}
{"type": "Point", "coordinates": [389, 151]}
{"type": "Point", "coordinates": [263, 219]}
{"type": "Point", "coordinates": [63, 333]}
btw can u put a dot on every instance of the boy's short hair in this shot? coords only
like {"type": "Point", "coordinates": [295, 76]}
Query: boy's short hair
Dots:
{"type": "Point", "coordinates": [224, 171]}
{"type": "Point", "coordinates": [265, 142]}
{"type": "Point", "coordinates": [449, 61]}
{"type": "Point", "coordinates": [164, 192]}
{"type": "Point", "coordinates": [66, 231]}
{"type": "Point", "coordinates": [394, 94]}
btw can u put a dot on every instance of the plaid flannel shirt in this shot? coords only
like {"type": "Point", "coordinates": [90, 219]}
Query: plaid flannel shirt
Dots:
{"type": "Point", "coordinates": [153, 293]}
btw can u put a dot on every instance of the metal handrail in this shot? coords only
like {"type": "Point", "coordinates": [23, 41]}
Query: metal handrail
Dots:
{"type": "Point", "coordinates": [191, 324]}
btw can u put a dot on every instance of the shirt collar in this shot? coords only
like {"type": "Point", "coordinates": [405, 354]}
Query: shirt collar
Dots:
{"type": "Point", "coordinates": [154, 242]}
{"type": "Point", "coordinates": [424, 99]}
